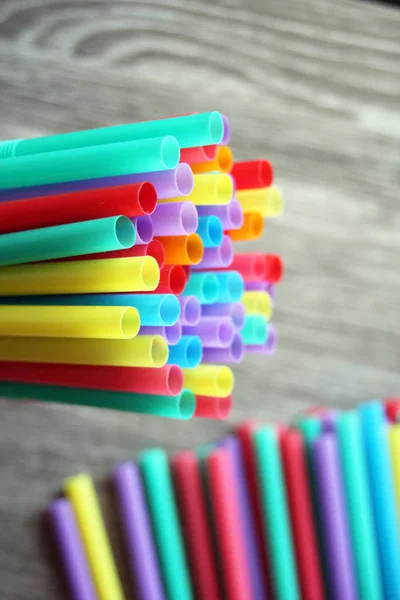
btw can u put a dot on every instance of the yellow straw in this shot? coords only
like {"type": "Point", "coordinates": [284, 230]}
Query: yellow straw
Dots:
{"type": "Point", "coordinates": [208, 190]}
{"type": "Point", "coordinates": [394, 443]}
{"type": "Point", "coordinates": [82, 494]}
{"type": "Point", "coordinates": [140, 274]}
{"type": "Point", "coordinates": [209, 380]}
{"type": "Point", "coordinates": [257, 303]}
{"type": "Point", "coordinates": [266, 201]}
{"type": "Point", "coordinates": [223, 162]}
{"type": "Point", "coordinates": [112, 322]}
{"type": "Point", "coordinates": [142, 351]}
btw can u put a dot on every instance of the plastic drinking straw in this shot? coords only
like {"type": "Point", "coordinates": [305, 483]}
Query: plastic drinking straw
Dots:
{"type": "Point", "coordinates": [190, 310]}
{"type": "Point", "coordinates": [73, 239]}
{"type": "Point", "coordinates": [138, 537]}
{"type": "Point", "coordinates": [268, 201]}
{"type": "Point", "coordinates": [252, 266]}
{"type": "Point", "coordinates": [153, 248]}
{"type": "Point", "coordinates": [257, 303]}
{"type": "Point", "coordinates": [230, 215]}
{"type": "Point", "coordinates": [275, 511]}
{"type": "Point", "coordinates": [46, 211]}
{"type": "Point", "coordinates": [252, 228]}
{"type": "Point", "coordinates": [139, 156]}
{"type": "Point", "coordinates": [86, 276]}
{"type": "Point", "coordinates": [171, 334]}
{"type": "Point", "coordinates": [392, 408]}
{"type": "Point", "coordinates": [209, 189]}
{"type": "Point", "coordinates": [255, 330]}
{"type": "Point", "coordinates": [112, 322]}
{"type": "Point", "coordinates": [172, 280]}
{"type": "Point", "coordinates": [181, 406]}
{"type": "Point", "coordinates": [76, 568]}
{"type": "Point", "coordinates": [222, 162]}
{"type": "Point", "coordinates": [198, 154]}
{"type": "Point", "coordinates": [261, 286]}
{"type": "Point", "coordinates": [227, 130]}
{"type": "Point", "coordinates": [165, 381]}
{"type": "Point", "coordinates": [182, 249]}
{"type": "Point", "coordinates": [204, 286]}
{"type": "Point", "coordinates": [232, 354]}
{"type": "Point", "coordinates": [193, 514]}
{"type": "Point", "coordinates": [301, 511]}
{"type": "Point", "coordinates": [328, 421]}
{"type": "Point", "coordinates": [274, 268]}
{"type": "Point", "coordinates": [144, 229]}
{"type": "Point", "coordinates": [166, 528]}
{"type": "Point", "coordinates": [141, 351]}
{"type": "Point", "coordinates": [210, 230]}
{"type": "Point", "coordinates": [334, 519]}
{"type": "Point", "coordinates": [219, 257]}
{"type": "Point", "coordinates": [200, 129]}
{"type": "Point", "coordinates": [381, 485]}
{"type": "Point", "coordinates": [235, 311]}
{"type": "Point", "coordinates": [231, 287]}
{"type": "Point", "coordinates": [394, 444]}
{"type": "Point", "coordinates": [250, 174]}
{"type": "Point", "coordinates": [268, 347]}
{"type": "Point", "coordinates": [175, 218]}
{"type": "Point", "coordinates": [209, 407]}
{"type": "Point", "coordinates": [82, 495]}
{"type": "Point", "coordinates": [359, 509]}
{"type": "Point", "coordinates": [214, 332]}
{"type": "Point", "coordinates": [187, 353]}
{"type": "Point", "coordinates": [227, 523]}
{"type": "Point", "coordinates": [209, 380]}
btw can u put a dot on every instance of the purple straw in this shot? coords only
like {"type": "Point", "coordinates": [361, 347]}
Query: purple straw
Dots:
{"type": "Point", "coordinates": [190, 310]}
{"type": "Point", "coordinates": [172, 334]}
{"type": "Point", "coordinates": [261, 286]}
{"type": "Point", "coordinates": [219, 257]}
{"type": "Point", "coordinates": [71, 549]}
{"type": "Point", "coordinates": [214, 332]}
{"type": "Point", "coordinates": [227, 131]}
{"type": "Point", "coordinates": [230, 215]}
{"type": "Point", "coordinates": [328, 421]}
{"type": "Point", "coordinates": [233, 354]}
{"type": "Point", "coordinates": [168, 184]}
{"type": "Point", "coordinates": [249, 527]}
{"type": "Point", "coordinates": [175, 218]}
{"type": "Point", "coordinates": [137, 531]}
{"type": "Point", "coordinates": [236, 311]}
{"type": "Point", "coordinates": [144, 229]}
{"type": "Point", "coordinates": [335, 527]}
{"type": "Point", "coordinates": [270, 345]}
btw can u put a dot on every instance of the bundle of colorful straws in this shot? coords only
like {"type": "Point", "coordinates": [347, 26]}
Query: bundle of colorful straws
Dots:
{"type": "Point", "coordinates": [119, 287]}
{"type": "Point", "coordinates": [309, 511]}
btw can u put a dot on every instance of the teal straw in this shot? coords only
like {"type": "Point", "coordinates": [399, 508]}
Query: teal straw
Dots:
{"type": "Point", "coordinates": [164, 516]}
{"type": "Point", "coordinates": [276, 515]}
{"type": "Point", "coordinates": [172, 407]}
{"type": "Point", "coordinates": [202, 129]}
{"type": "Point", "coordinates": [142, 156]}
{"type": "Point", "coordinates": [73, 239]}
{"type": "Point", "coordinates": [202, 285]}
{"type": "Point", "coordinates": [255, 330]}
{"type": "Point", "coordinates": [359, 507]}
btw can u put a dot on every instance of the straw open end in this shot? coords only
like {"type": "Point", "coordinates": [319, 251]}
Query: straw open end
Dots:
{"type": "Point", "coordinates": [215, 231]}
{"type": "Point", "coordinates": [125, 232]}
{"type": "Point", "coordinates": [174, 380]}
{"type": "Point", "coordinates": [224, 159]}
{"type": "Point", "coordinates": [187, 404]}
{"type": "Point", "coordinates": [237, 348]}
{"type": "Point", "coordinates": [192, 311]}
{"type": "Point", "coordinates": [274, 268]}
{"type": "Point", "coordinates": [235, 214]}
{"type": "Point", "coordinates": [216, 127]}
{"type": "Point", "coordinates": [265, 173]}
{"type": "Point", "coordinates": [169, 310]}
{"type": "Point", "coordinates": [184, 179]}
{"type": "Point", "coordinates": [275, 202]}
{"type": "Point", "coordinates": [170, 152]}
{"type": "Point", "coordinates": [194, 248]}
{"type": "Point", "coordinates": [226, 252]}
{"type": "Point", "coordinates": [224, 407]}
{"type": "Point", "coordinates": [147, 198]}
{"type": "Point", "coordinates": [189, 217]}
{"type": "Point", "coordinates": [225, 333]}
{"type": "Point", "coordinates": [238, 315]}
{"type": "Point", "coordinates": [177, 279]}
{"type": "Point", "coordinates": [210, 152]}
{"type": "Point", "coordinates": [173, 333]}
{"type": "Point", "coordinates": [150, 273]}
{"type": "Point", "coordinates": [256, 225]}
{"type": "Point", "coordinates": [144, 229]}
{"type": "Point", "coordinates": [224, 189]}
{"type": "Point", "coordinates": [210, 288]}
{"type": "Point", "coordinates": [130, 322]}
{"type": "Point", "coordinates": [159, 351]}
{"type": "Point", "coordinates": [225, 381]}
{"type": "Point", "coordinates": [194, 352]}
{"type": "Point", "coordinates": [156, 250]}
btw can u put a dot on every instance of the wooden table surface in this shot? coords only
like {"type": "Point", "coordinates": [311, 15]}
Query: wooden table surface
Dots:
{"type": "Point", "coordinates": [312, 85]}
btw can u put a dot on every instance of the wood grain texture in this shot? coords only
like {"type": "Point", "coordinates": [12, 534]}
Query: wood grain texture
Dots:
{"type": "Point", "coordinates": [312, 85]}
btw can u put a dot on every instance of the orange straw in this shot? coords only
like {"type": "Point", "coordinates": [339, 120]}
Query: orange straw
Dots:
{"type": "Point", "coordinates": [182, 249]}
{"type": "Point", "coordinates": [252, 228]}
{"type": "Point", "coordinates": [223, 162]}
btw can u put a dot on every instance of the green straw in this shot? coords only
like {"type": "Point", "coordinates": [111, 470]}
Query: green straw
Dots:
{"type": "Point", "coordinates": [276, 515]}
{"type": "Point", "coordinates": [125, 158]}
{"type": "Point", "coordinates": [164, 516]}
{"type": "Point", "coordinates": [73, 239]}
{"type": "Point", "coordinates": [201, 129]}
{"type": "Point", "coordinates": [359, 506]}
{"type": "Point", "coordinates": [173, 407]}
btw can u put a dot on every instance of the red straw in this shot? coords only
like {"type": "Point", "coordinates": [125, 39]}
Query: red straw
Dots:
{"type": "Point", "coordinates": [213, 408]}
{"type": "Point", "coordinates": [301, 512]}
{"type": "Point", "coordinates": [172, 280]}
{"type": "Point", "coordinates": [198, 155]}
{"type": "Point", "coordinates": [227, 521]}
{"type": "Point", "coordinates": [130, 200]}
{"type": "Point", "coordinates": [273, 268]}
{"type": "Point", "coordinates": [251, 266]}
{"type": "Point", "coordinates": [166, 381]}
{"type": "Point", "coordinates": [252, 174]}
{"type": "Point", "coordinates": [392, 408]}
{"type": "Point", "coordinates": [193, 513]}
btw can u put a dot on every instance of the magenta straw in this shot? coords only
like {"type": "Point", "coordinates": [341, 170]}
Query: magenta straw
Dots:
{"type": "Point", "coordinates": [175, 218]}
{"type": "Point", "coordinates": [335, 528]}
{"type": "Point", "coordinates": [71, 550]}
{"type": "Point", "coordinates": [135, 523]}
{"type": "Point", "coordinates": [270, 345]}
{"type": "Point", "coordinates": [190, 310]}
{"type": "Point", "coordinates": [219, 257]}
{"type": "Point", "coordinates": [236, 311]}
{"type": "Point", "coordinates": [168, 184]}
{"type": "Point", "coordinates": [233, 354]}
{"type": "Point", "coordinates": [230, 215]}
{"type": "Point", "coordinates": [144, 229]}
{"type": "Point", "coordinates": [172, 334]}
{"type": "Point", "coordinates": [227, 131]}
{"type": "Point", "coordinates": [214, 332]}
